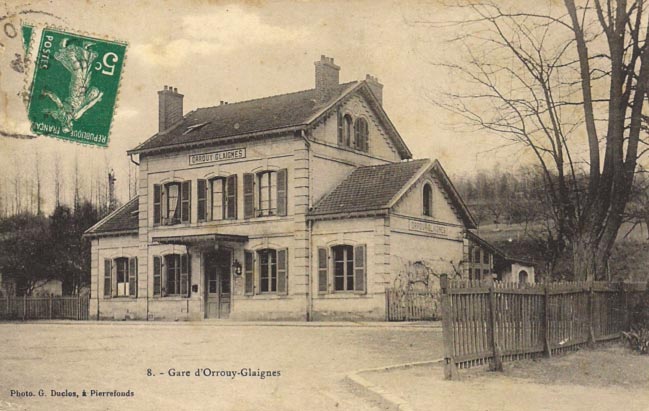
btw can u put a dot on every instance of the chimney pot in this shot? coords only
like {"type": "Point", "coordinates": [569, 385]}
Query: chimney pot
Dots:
{"type": "Point", "coordinates": [175, 90]}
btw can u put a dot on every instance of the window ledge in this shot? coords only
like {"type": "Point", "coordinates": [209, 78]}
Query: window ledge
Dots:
{"type": "Point", "coordinates": [268, 296]}
{"type": "Point", "coordinates": [341, 295]}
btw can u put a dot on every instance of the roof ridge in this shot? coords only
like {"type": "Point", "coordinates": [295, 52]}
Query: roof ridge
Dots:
{"type": "Point", "coordinates": [269, 97]}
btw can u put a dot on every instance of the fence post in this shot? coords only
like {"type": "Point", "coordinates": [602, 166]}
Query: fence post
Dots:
{"type": "Point", "coordinates": [625, 307]}
{"type": "Point", "coordinates": [24, 306]}
{"type": "Point", "coordinates": [450, 369]}
{"type": "Point", "coordinates": [497, 364]}
{"type": "Point", "coordinates": [547, 351]}
{"type": "Point", "coordinates": [591, 314]}
{"type": "Point", "coordinates": [78, 307]}
{"type": "Point", "coordinates": [50, 305]}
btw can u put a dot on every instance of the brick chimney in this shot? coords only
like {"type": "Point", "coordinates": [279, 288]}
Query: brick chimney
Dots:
{"type": "Point", "coordinates": [376, 87]}
{"type": "Point", "coordinates": [170, 107]}
{"type": "Point", "coordinates": [327, 76]}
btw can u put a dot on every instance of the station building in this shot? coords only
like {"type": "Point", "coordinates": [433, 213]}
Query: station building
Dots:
{"type": "Point", "coordinates": [300, 206]}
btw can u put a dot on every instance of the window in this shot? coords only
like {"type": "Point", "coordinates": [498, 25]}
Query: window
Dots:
{"type": "Point", "coordinates": [522, 277]}
{"type": "Point", "coordinates": [171, 203]}
{"type": "Point", "coordinates": [270, 275]}
{"type": "Point", "coordinates": [348, 269]}
{"type": "Point", "coordinates": [361, 133]}
{"type": "Point", "coordinates": [348, 130]}
{"type": "Point", "coordinates": [268, 271]}
{"type": "Point", "coordinates": [222, 195]}
{"type": "Point", "coordinates": [121, 270]}
{"type": "Point", "coordinates": [265, 193]}
{"type": "Point", "coordinates": [343, 267]}
{"type": "Point", "coordinates": [428, 200]}
{"type": "Point", "coordinates": [120, 277]}
{"type": "Point", "coordinates": [176, 270]}
{"type": "Point", "coordinates": [217, 198]}
{"type": "Point", "coordinates": [267, 196]}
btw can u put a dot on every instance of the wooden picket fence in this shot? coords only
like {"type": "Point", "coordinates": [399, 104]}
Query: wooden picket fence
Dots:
{"type": "Point", "coordinates": [412, 305]}
{"type": "Point", "coordinates": [44, 308]}
{"type": "Point", "coordinates": [486, 323]}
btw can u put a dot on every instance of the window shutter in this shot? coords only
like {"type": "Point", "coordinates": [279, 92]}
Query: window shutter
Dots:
{"type": "Point", "coordinates": [132, 277]}
{"type": "Point", "coordinates": [157, 202]}
{"type": "Point", "coordinates": [157, 276]}
{"type": "Point", "coordinates": [231, 187]}
{"type": "Point", "coordinates": [248, 195]}
{"type": "Point", "coordinates": [323, 272]}
{"type": "Point", "coordinates": [249, 272]}
{"type": "Point", "coordinates": [340, 127]}
{"type": "Point", "coordinates": [185, 197]}
{"type": "Point", "coordinates": [282, 271]}
{"type": "Point", "coordinates": [360, 269]}
{"type": "Point", "coordinates": [184, 274]}
{"type": "Point", "coordinates": [107, 277]}
{"type": "Point", "coordinates": [282, 189]}
{"type": "Point", "coordinates": [202, 199]}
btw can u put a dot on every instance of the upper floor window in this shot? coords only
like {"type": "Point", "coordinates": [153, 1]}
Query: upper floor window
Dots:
{"type": "Point", "coordinates": [353, 133]}
{"type": "Point", "coordinates": [428, 200]}
{"type": "Point", "coordinates": [265, 193]}
{"type": "Point", "coordinates": [217, 198]}
{"type": "Point", "coordinates": [361, 132]}
{"type": "Point", "coordinates": [120, 277]}
{"type": "Point", "coordinates": [171, 203]}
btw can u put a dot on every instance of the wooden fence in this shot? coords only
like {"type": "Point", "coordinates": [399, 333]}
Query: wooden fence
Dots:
{"type": "Point", "coordinates": [486, 323]}
{"type": "Point", "coordinates": [412, 305]}
{"type": "Point", "coordinates": [44, 308]}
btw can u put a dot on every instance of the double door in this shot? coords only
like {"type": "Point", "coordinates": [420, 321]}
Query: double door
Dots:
{"type": "Point", "coordinates": [218, 291]}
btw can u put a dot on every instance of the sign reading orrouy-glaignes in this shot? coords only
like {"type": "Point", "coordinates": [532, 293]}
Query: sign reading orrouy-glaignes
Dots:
{"type": "Point", "coordinates": [430, 228]}
{"type": "Point", "coordinates": [217, 156]}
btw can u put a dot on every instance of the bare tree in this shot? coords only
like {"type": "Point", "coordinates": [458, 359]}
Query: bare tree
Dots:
{"type": "Point", "coordinates": [569, 84]}
{"type": "Point", "coordinates": [58, 180]}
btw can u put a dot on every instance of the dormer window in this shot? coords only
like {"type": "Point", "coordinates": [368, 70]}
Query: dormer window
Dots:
{"type": "Point", "coordinates": [361, 132]}
{"type": "Point", "coordinates": [348, 130]}
{"type": "Point", "coordinates": [428, 200]}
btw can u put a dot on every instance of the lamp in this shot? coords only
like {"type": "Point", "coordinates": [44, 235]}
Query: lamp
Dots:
{"type": "Point", "coordinates": [236, 266]}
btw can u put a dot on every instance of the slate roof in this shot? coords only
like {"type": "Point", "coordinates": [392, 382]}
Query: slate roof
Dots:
{"type": "Point", "coordinates": [368, 188]}
{"type": "Point", "coordinates": [122, 220]}
{"type": "Point", "coordinates": [252, 116]}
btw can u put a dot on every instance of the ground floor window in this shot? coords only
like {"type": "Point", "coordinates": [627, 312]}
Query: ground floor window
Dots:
{"type": "Point", "coordinates": [266, 271]}
{"type": "Point", "coordinates": [171, 275]}
{"type": "Point", "coordinates": [120, 277]}
{"type": "Point", "coordinates": [347, 271]}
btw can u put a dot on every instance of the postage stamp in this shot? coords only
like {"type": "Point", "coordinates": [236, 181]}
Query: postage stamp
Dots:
{"type": "Point", "coordinates": [74, 86]}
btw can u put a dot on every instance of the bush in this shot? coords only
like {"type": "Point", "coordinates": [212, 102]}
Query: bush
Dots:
{"type": "Point", "coordinates": [638, 339]}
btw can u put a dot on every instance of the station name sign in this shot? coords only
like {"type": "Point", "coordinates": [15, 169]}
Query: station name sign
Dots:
{"type": "Point", "coordinates": [217, 156]}
{"type": "Point", "coordinates": [425, 227]}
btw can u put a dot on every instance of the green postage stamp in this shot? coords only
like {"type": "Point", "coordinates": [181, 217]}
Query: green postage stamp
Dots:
{"type": "Point", "coordinates": [74, 86]}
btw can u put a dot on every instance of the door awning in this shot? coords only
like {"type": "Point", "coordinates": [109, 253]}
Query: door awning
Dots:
{"type": "Point", "coordinates": [200, 239]}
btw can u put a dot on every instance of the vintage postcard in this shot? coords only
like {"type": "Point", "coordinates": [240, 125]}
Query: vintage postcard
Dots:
{"type": "Point", "coordinates": [324, 205]}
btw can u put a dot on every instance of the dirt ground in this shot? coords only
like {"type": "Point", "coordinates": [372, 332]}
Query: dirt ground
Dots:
{"type": "Point", "coordinates": [606, 378]}
{"type": "Point", "coordinates": [312, 361]}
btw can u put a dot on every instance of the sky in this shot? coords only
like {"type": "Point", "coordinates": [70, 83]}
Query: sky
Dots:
{"type": "Point", "coordinates": [235, 51]}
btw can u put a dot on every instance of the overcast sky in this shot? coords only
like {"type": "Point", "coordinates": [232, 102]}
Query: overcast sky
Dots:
{"type": "Point", "coordinates": [214, 51]}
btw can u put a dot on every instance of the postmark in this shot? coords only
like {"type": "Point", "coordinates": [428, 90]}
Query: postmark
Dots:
{"type": "Point", "coordinates": [15, 32]}
{"type": "Point", "coordinates": [74, 86]}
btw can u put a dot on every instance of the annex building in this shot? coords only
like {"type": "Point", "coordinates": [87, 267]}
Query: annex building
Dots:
{"type": "Point", "coordinates": [300, 206]}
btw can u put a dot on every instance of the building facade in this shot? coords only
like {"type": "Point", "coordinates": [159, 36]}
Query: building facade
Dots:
{"type": "Point", "coordinates": [301, 206]}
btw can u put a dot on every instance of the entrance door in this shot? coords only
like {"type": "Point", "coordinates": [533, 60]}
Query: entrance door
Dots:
{"type": "Point", "coordinates": [217, 284]}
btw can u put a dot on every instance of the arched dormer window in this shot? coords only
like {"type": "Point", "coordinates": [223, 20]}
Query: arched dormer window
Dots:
{"type": "Point", "coordinates": [428, 200]}
{"type": "Point", "coordinates": [361, 133]}
{"type": "Point", "coordinates": [348, 130]}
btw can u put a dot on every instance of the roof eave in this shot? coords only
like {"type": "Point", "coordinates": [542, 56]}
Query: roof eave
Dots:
{"type": "Point", "coordinates": [219, 140]}
{"type": "Point", "coordinates": [115, 233]}
{"type": "Point", "coordinates": [353, 214]}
